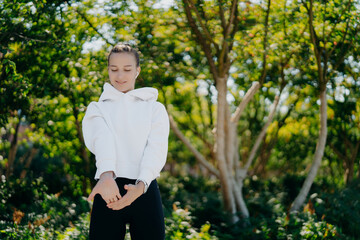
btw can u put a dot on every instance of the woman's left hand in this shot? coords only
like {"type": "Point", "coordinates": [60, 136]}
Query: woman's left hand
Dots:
{"type": "Point", "coordinates": [133, 192]}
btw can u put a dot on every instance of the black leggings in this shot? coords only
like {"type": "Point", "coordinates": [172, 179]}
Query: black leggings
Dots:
{"type": "Point", "coordinates": [145, 216]}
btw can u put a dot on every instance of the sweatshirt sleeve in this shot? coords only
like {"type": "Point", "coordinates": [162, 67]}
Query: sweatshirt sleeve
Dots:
{"type": "Point", "coordinates": [99, 140]}
{"type": "Point", "coordinates": [156, 148]}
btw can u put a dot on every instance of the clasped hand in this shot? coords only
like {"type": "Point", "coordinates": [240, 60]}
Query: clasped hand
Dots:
{"type": "Point", "coordinates": [109, 191]}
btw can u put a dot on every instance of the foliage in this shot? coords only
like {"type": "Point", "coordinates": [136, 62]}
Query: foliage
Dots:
{"type": "Point", "coordinates": [185, 191]}
{"type": "Point", "coordinates": [29, 212]}
{"type": "Point", "coordinates": [328, 215]}
{"type": "Point", "coordinates": [268, 202]}
{"type": "Point", "coordinates": [179, 227]}
{"type": "Point", "coordinates": [53, 63]}
{"type": "Point", "coordinates": [14, 89]}
{"type": "Point", "coordinates": [341, 208]}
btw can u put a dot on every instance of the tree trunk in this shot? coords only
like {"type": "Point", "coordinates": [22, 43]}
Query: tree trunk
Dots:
{"type": "Point", "coordinates": [12, 151]}
{"type": "Point", "coordinates": [29, 159]}
{"type": "Point", "coordinates": [241, 173]}
{"type": "Point", "coordinates": [239, 198]}
{"type": "Point", "coordinates": [354, 153]}
{"type": "Point", "coordinates": [319, 152]}
{"type": "Point", "coordinates": [349, 172]}
{"type": "Point", "coordinates": [225, 175]}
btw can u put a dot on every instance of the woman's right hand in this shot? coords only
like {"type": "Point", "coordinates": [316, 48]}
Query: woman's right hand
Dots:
{"type": "Point", "coordinates": [107, 188]}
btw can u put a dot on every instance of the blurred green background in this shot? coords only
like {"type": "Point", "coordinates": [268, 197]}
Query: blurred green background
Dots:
{"type": "Point", "coordinates": [301, 57]}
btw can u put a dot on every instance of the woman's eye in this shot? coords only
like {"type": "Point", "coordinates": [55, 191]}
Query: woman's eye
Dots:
{"type": "Point", "coordinates": [115, 70]}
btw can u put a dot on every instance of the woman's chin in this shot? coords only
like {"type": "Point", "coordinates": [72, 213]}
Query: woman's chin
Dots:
{"type": "Point", "coordinates": [119, 87]}
{"type": "Point", "coordinates": [122, 86]}
{"type": "Point", "coordinates": [123, 89]}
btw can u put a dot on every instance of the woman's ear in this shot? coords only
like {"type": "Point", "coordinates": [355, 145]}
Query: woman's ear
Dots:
{"type": "Point", "coordinates": [138, 69]}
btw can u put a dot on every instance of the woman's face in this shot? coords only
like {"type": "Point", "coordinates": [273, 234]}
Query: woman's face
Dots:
{"type": "Point", "coordinates": [122, 71]}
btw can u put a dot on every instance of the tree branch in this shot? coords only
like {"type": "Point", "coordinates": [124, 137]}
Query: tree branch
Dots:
{"type": "Point", "coordinates": [262, 134]}
{"type": "Point", "coordinates": [196, 153]}
{"type": "Point", "coordinates": [336, 22]}
{"type": "Point", "coordinates": [314, 41]}
{"type": "Point", "coordinates": [224, 48]}
{"type": "Point", "coordinates": [264, 70]}
{"type": "Point", "coordinates": [248, 96]}
{"type": "Point", "coordinates": [201, 39]}
{"type": "Point", "coordinates": [198, 134]}
{"type": "Point", "coordinates": [82, 15]}
{"type": "Point", "coordinates": [221, 10]}
{"type": "Point", "coordinates": [203, 26]}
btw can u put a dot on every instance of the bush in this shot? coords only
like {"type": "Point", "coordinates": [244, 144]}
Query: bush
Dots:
{"type": "Point", "coordinates": [193, 210]}
{"type": "Point", "coordinates": [54, 216]}
{"type": "Point", "coordinates": [341, 208]}
{"type": "Point", "coordinates": [179, 226]}
{"type": "Point", "coordinates": [28, 212]}
{"type": "Point", "coordinates": [199, 195]}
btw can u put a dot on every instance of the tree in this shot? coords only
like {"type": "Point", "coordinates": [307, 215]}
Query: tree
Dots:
{"type": "Point", "coordinates": [330, 46]}
{"type": "Point", "coordinates": [218, 50]}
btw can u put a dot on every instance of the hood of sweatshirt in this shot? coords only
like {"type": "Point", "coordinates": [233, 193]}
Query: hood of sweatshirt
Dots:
{"type": "Point", "coordinates": [144, 94]}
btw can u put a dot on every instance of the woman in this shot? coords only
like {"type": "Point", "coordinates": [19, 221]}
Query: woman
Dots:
{"type": "Point", "coordinates": [127, 130]}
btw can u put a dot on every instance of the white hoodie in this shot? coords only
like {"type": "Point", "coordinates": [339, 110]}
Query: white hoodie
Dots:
{"type": "Point", "coordinates": [127, 133]}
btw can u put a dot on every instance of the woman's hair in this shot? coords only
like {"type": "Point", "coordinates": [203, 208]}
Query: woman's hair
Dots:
{"type": "Point", "coordinates": [124, 47]}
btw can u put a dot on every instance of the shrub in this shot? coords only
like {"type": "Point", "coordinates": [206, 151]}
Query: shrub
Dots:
{"type": "Point", "coordinates": [42, 217]}
{"type": "Point", "coordinates": [341, 208]}
{"type": "Point", "coordinates": [179, 226]}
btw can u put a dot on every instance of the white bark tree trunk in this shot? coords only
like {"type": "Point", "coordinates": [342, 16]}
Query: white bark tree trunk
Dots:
{"type": "Point", "coordinates": [225, 175]}
{"type": "Point", "coordinates": [226, 146]}
{"type": "Point", "coordinates": [319, 152]}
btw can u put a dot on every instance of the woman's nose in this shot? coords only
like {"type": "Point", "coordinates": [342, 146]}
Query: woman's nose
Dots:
{"type": "Point", "coordinates": [119, 74]}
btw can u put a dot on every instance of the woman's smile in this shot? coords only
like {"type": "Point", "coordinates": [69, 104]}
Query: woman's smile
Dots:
{"type": "Point", "coordinates": [121, 83]}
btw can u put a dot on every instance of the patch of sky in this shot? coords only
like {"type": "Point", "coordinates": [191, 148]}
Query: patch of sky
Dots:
{"type": "Point", "coordinates": [241, 75]}
{"type": "Point", "coordinates": [92, 46]}
{"type": "Point", "coordinates": [180, 79]}
{"type": "Point", "coordinates": [166, 4]}
{"type": "Point", "coordinates": [249, 61]}
{"type": "Point", "coordinates": [187, 57]}
{"type": "Point", "coordinates": [231, 85]}
{"type": "Point", "coordinates": [230, 98]}
{"type": "Point", "coordinates": [284, 109]}
{"type": "Point", "coordinates": [28, 25]}
{"type": "Point", "coordinates": [95, 44]}
{"type": "Point", "coordinates": [242, 5]}
{"type": "Point", "coordinates": [233, 69]}
{"type": "Point", "coordinates": [73, 38]}
{"type": "Point", "coordinates": [267, 102]}
{"type": "Point", "coordinates": [214, 94]}
{"type": "Point", "coordinates": [340, 93]}
{"type": "Point", "coordinates": [32, 7]}
{"type": "Point", "coordinates": [202, 89]}
{"type": "Point", "coordinates": [283, 98]}
{"type": "Point", "coordinates": [241, 93]}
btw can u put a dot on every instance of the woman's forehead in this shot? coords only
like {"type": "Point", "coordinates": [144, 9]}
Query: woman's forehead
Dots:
{"type": "Point", "coordinates": [122, 59]}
